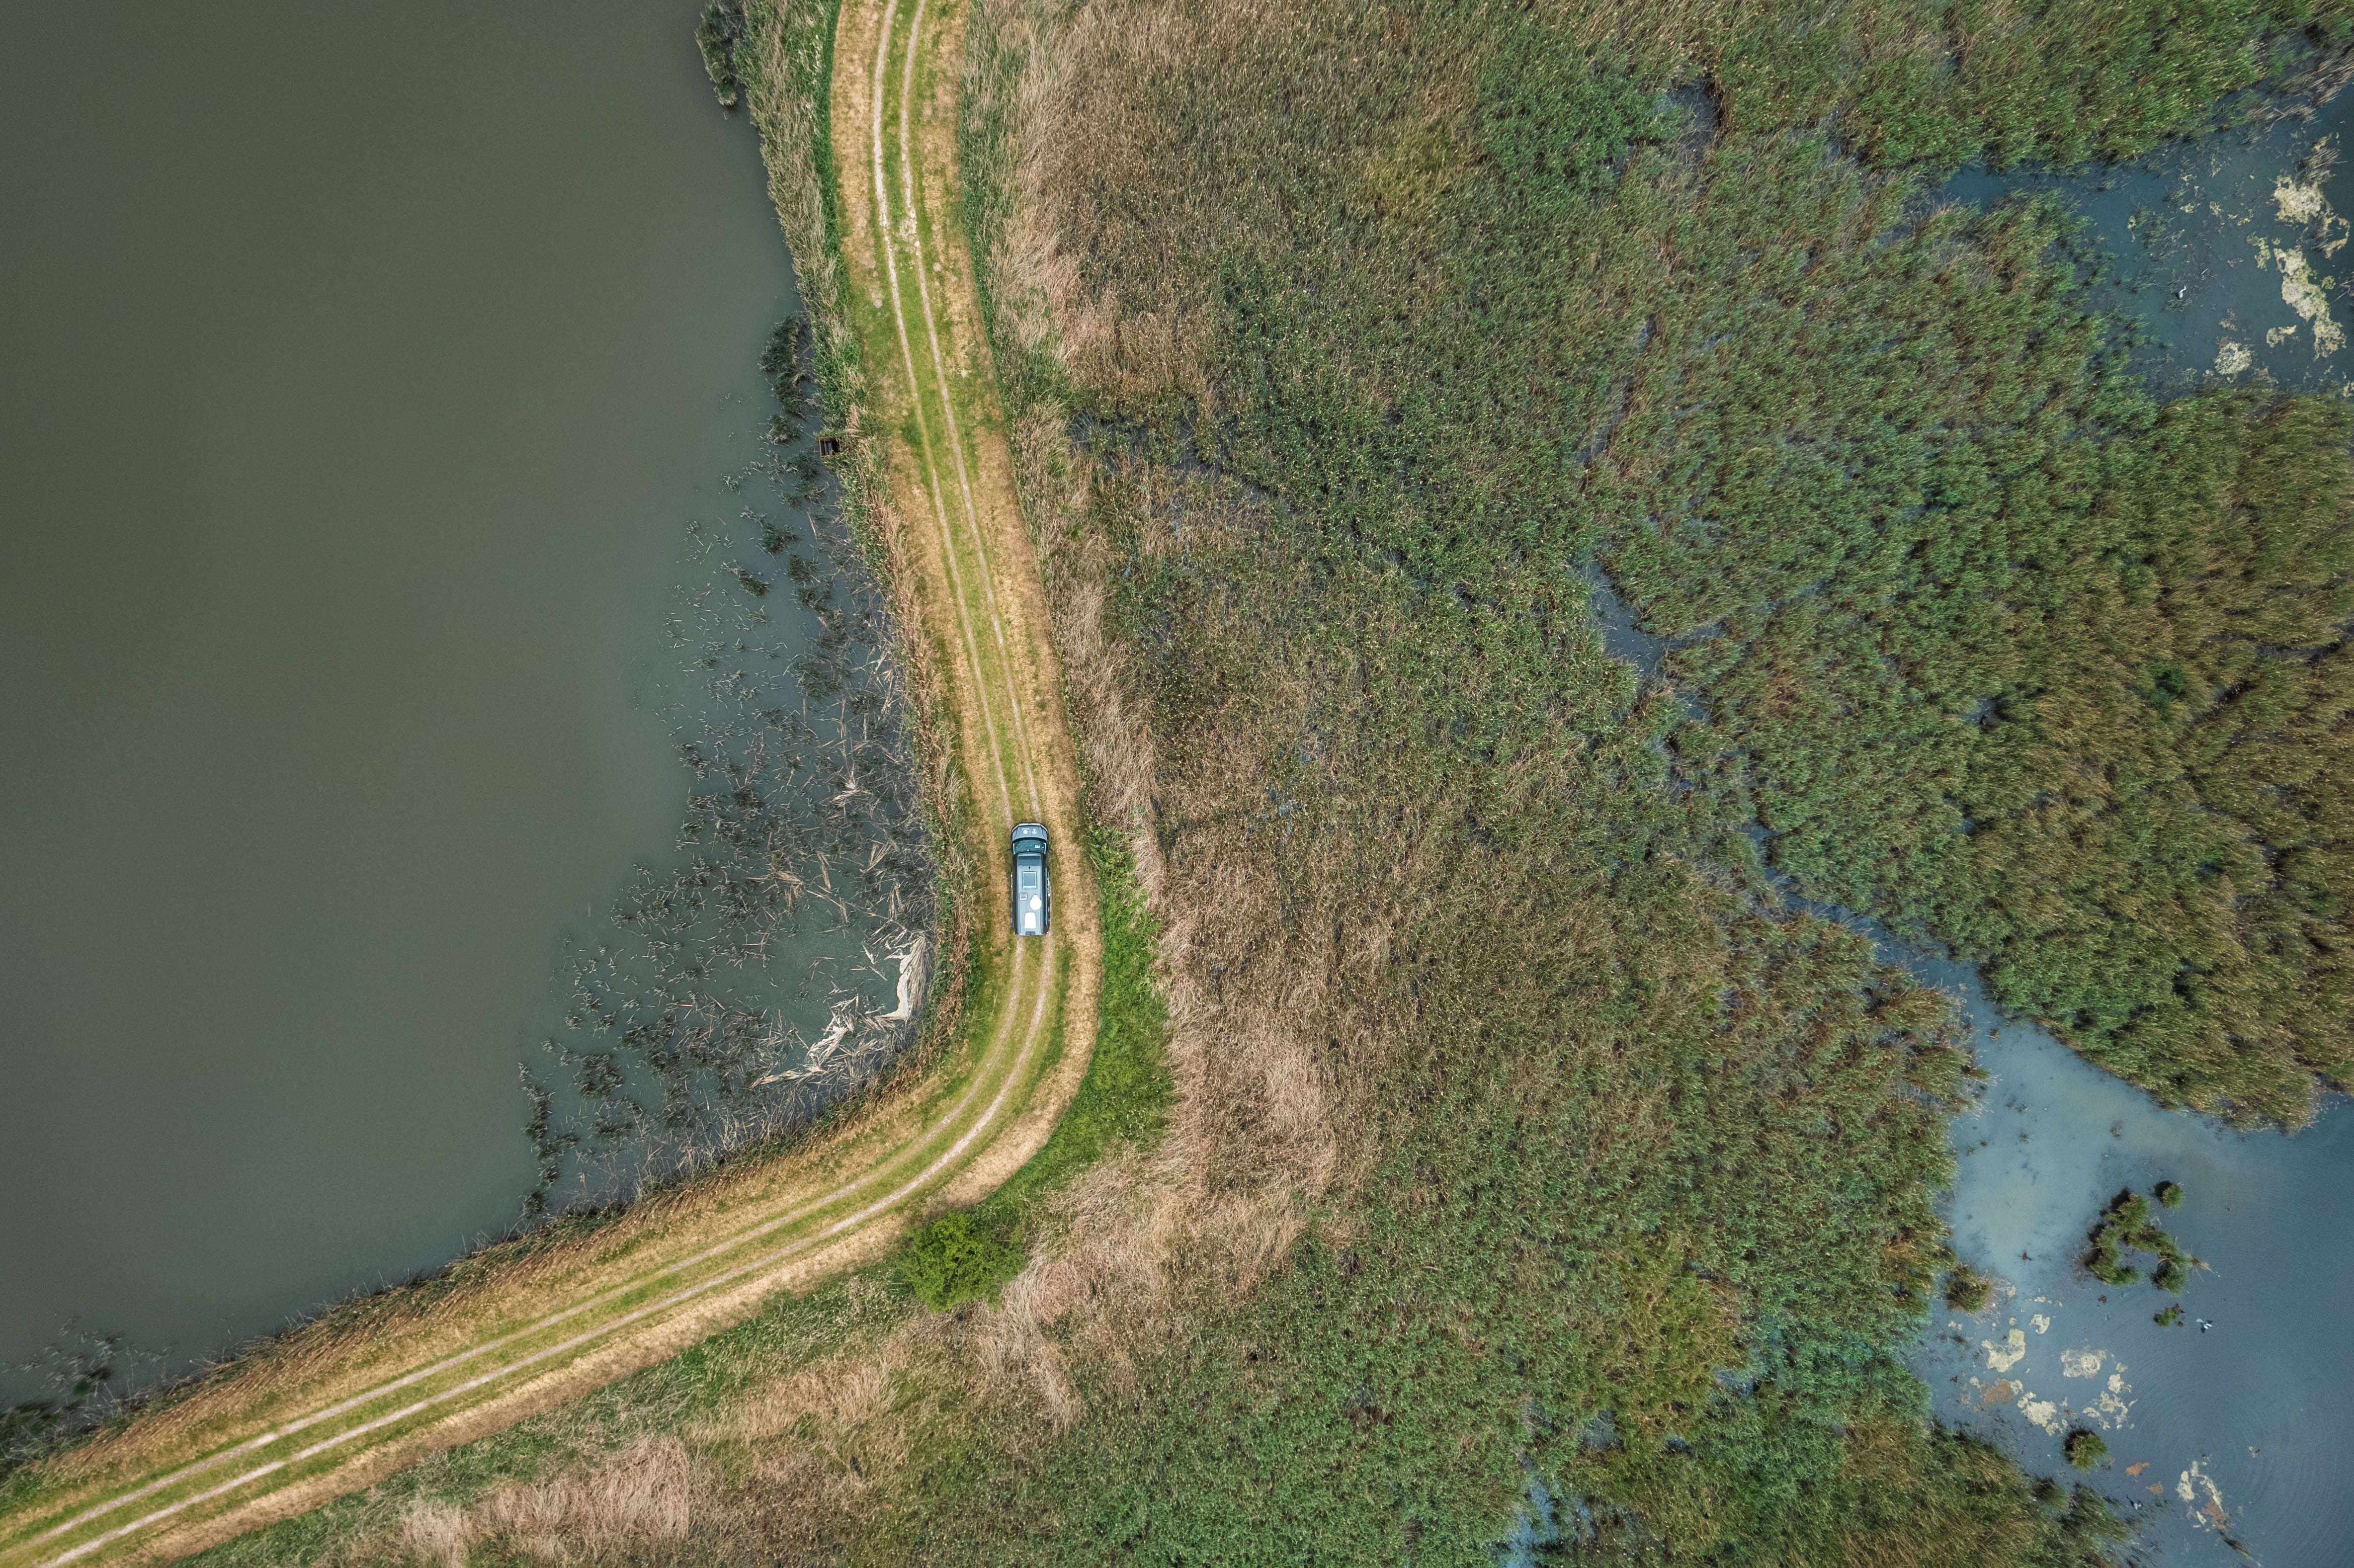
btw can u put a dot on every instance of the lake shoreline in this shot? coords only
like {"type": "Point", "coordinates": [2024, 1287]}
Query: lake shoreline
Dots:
{"type": "Point", "coordinates": [899, 1009]}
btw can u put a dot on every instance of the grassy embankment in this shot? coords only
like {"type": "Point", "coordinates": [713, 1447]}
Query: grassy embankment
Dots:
{"type": "Point", "coordinates": [373, 1388]}
{"type": "Point", "coordinates": [764, 1433]}
{"type": "Point", "coordinates": [369, 1390]}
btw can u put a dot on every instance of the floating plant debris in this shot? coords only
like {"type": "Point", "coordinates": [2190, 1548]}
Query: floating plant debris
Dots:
{"type": "Point", "coordinates": [704, 1022]}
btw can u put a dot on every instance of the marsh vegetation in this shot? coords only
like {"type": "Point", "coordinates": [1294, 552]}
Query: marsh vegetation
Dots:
{"type": "Point", "coordinates": [1331, 381]}
{"type": "Point", "coordinates": [717, 34]}
{"type": "Point", "coordinates": [680, 1042]}
{"type": "Point", "coordinates": [1967, 1290]}
{"type": "Point", "coordinates": [2126, 1225]}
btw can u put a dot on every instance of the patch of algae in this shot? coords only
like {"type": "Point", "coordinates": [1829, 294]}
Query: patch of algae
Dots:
{"type": "Point", "coordinates": [2303, 292]}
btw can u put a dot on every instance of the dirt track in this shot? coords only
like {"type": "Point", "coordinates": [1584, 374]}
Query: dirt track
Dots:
{"type": "Point", "coordinates": [328, 1413]}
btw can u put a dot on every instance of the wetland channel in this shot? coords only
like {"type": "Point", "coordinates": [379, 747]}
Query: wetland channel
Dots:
{"type": "Point", "coordinates": [2225, 256]}
{"type": "Point", "coordinates": [426, 665]}
{"type": "Point", "coordinates": [2219, 258]}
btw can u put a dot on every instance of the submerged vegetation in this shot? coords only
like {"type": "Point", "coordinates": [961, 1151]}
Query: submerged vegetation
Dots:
{"type": "Point", "coordinates": [1967, 1290]}
{"type": "Point", "coordinates": [718, 34]}
{"type": "Point", "coordinates": [786, 363]}
{"type": "Point", "coordinates": [680, 1042]}
{"type": "Point", "coordinates": [85, 1380]}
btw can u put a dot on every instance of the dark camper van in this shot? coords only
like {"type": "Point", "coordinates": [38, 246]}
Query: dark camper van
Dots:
{"type": "Point", "coordinates": [1033, 896]}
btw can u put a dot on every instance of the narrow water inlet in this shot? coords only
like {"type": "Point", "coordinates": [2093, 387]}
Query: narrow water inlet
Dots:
{"type": "Point", "coordinates": [2239, 1432]}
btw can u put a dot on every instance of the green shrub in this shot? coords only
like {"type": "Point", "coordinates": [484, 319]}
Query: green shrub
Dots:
{"type": "Point", "coordinates": [2128, 1224]}
{"type": "Point", "coordinates": [2169, 1194]}
{"type": "Point", "coordinates": [1967, 1290]}
{"type": "Point", "coordinates": [2085, 1449]}
{"type": "Point", "coordinates": [2169, 1318]}
{"type": "Point", "coordinates": [956, 1259]}
{"type": "Point", "coordinates": [721, 29]}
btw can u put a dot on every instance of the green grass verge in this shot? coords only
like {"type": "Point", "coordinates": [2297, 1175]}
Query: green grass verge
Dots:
{"type": "Point", "coordinates": [1123, 1099]}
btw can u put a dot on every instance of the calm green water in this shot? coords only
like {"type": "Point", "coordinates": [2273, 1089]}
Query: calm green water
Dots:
{"type": "Point", "coordinates": [380, 432]}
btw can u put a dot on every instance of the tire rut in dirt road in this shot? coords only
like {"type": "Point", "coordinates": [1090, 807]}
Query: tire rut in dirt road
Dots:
{"type": "Point", "coordinates": [909, 261]}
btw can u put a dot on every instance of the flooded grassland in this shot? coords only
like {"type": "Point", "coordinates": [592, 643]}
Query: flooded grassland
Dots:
{"type": "Point", "coordinates": [2227, 1428]}
{"type": "Point", "coordinates": [2225, 255]}
{"type": "Point", "coordinates": [2226, 1432]}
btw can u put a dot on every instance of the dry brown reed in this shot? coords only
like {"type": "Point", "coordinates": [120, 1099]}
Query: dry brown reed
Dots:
{"type": "Point", "coordinates": [637, 1506]}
